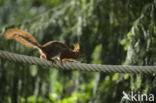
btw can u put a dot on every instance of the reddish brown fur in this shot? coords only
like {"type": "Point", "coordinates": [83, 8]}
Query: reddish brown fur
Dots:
{"type": "Point", "coordinates": [68, 55]}
{"type": "Point", "coordinates": [12, 34]}
{"type": "Point", "coordinates": [49, 50]}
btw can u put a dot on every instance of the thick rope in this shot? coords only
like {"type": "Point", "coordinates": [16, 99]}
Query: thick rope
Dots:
{"type": "Point", "coordinates": [77, 66]}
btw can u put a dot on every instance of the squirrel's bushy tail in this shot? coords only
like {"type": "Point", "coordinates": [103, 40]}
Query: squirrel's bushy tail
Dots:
{"type": "Point", "coordinates": [23, 37]}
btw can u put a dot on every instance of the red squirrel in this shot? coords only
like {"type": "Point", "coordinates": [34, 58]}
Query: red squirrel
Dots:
{"type": "Point", "coordinates": [49, 50]}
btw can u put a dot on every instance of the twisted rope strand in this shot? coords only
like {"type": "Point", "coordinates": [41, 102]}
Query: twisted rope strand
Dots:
{"type": "Point", "coordinates": [77, 66]}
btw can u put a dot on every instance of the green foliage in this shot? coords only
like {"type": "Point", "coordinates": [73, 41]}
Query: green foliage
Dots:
{"type": "Point", "coordinates": [126, 76]}
{"type": "Point", "coordinates": [33, 70]}
{"type": "Point", "coordinates": [109, 32]}
{"type": "Point", "coordinates": [58, 88]}
{"type": "Point", "coordinates": [96, 55]}
{"type": "Point", "coordinates": [115, 77]}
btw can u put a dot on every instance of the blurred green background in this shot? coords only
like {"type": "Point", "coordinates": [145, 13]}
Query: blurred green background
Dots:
{"type": "Point", "coordinates": [116, 32]}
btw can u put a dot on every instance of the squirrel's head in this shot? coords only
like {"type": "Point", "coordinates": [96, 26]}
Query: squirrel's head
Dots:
{"type": "Point", "coordinates": [78, 56]}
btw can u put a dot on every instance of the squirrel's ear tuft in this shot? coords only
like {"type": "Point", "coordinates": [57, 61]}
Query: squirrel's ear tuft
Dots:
{"type": "Point", "coordinates": [76, 47]}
